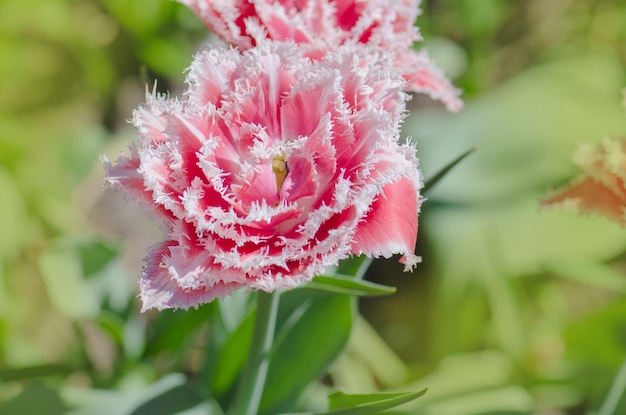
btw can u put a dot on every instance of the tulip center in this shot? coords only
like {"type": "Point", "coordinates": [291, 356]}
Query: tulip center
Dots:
{"type": "Point", "coordinates": [279, 167]}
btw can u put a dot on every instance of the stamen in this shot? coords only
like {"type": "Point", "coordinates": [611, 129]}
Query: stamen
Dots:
{"type": "Point", "coordinates": [279, 167]}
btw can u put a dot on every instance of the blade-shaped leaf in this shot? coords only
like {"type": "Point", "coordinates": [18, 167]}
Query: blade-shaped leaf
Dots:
{"type": "Point", "coordinates": [232, 357]}
{"type": "Point", "coordinates": [172, 394]}
{"type": "Point", "coordinates": [171, 330]}
{"type": "Point", "coordinates": [173, 401]}
{"type": "Point", "coordinates": [349, 285]}
{"type": "Point", "coordinates": [444, 171]}
{"type": "Point", "coordinates": [304, 349]}
{"type": "Point", "coordinates": [343, 404]}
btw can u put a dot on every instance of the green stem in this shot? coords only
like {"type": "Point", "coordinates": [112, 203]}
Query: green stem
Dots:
{"type": "Point", "coordinates": [252, 383]}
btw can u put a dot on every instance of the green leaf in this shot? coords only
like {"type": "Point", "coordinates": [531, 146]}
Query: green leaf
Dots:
{"type": "Point", "coordinates": [19, 374]}
{"type": "Point", "coordinates": [143, 18]}
{"type": "Point", "coordinates": [349, 285]}
{"type": "Point", "coordinates": [14, 222]}
{"type": "Point", "coordinates": [344, 404]}
{"type": "Point", "coordinates": [95, 255]}
{"type": "Point", "coordinates": [615, 401]}
{"type": "Point", "coordinates": [35, 400]}
{"type": "Point", "coordinates": [356, 266]}
{"type": "Point", "coordinates": [166, 56]}
{"type": "Point", "coordinates": [597, 339]}
{"type": "Point", "coordinates": [112, 324]}
{"type": "Point", "coordinates": [471, 384]}
{"type": "Point", "coordinates": [592, 274]}
{"type": "Point", "coordinates": [170, 395]}
{"type": "Point", "coordinates": [232, 356]}
{"type": "Point", "coordinates": [368, 363]}
{"type": "Point", "coordinates": [173, 401]}
{"type": "Point", "coordinates": [172, 330]}
{"type": "Point", "coordinates": [429, 183]}
{"type": "Point", "coordinates": [234, 308]}
{"type": "Point", "coordinates": [231, 328]}
{"type": "Point", "coordinates": [524, 143]}
{"type": "Point", "coordinates": [306, 345]}
{"type": "Point", "coordinates": [61, 269]}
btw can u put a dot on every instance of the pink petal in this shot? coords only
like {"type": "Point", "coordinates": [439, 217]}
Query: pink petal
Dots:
{"type": "Point", "coordinates": [423, 76]}
{"type": "Point", "coordinates": [124, 175]}
{"type": "Point", "coordinates": [236, 217]}
{"type": "Point", "coordinates": [309, 105]}
{"type": "Point", "coordinates": [324, 25]}
{"type": "Point", "coordinates": [161, 290]}
{"type": "Point", "coordinates": [261, 186]}
{"type": "Point", "coordinates": [279, 28]}
{"type": "Point", "coordinates": [301, 181]}
{"type": "Point", "coordinates": [348, 12]}
{"type": "Point", "coordinates": [391, 224]}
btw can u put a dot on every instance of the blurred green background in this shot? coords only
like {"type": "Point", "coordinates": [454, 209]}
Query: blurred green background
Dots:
{"type": "Point", "coordinates": [515, 310]}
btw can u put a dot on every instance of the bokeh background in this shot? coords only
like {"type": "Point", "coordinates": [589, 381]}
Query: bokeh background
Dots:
{"type": "Point", "coordinates": [515, 310]}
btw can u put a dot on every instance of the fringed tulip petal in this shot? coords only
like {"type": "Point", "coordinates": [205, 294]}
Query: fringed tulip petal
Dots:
{"type": "Point", "coordinates": [322, 25]}
{"type": "Point", "coordinates": [390, 226]}
{"type": "Point", "coordinates": [269, 170]}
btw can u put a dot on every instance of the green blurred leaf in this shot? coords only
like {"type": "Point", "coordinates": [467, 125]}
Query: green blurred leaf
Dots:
{"type": "Point", "coordinates": [35, 399]}
{"type": "Point", "coordinates": [364, 404]}
{"type": "Point", "coordinates": [507, 321]}
{"type": "Point", "coordinates": [170, 395]}
{"type": "Point", "coordinates": [95, 255]}
{"type": "Point", "coordinates": [173, 401]}
{"type": "Point", "coordinates": [593, 274]}
{"type": "Point", "coordinates": [61, 269]}
{"type": "Point", "coordinates": [41, 371]}
{"type": "Point", "coordinates": [167, 56]}
{"type": "Point", "coordinates": [298, 355]}
{"type": "Point", "coordinates": [470, 384]}
{"type": "Point", "coordinates": [525, 130]}
{"type": "Point", "coordinates": [615, 402]}
{"type": "Point", "coordinates": [141, 17]}
{"type": "Point", "coordinates": [113, 324]}
{"type": "Point", "coordinates": [348, 285]}
{"type": "Point", "coordinates": [14, 222]}
{"type": "Point", "coordinates": [368, 363]}
{"type": "Point", "coordinates": [506, 400]}
{"type": "Point", "coordinates": [76, 152]}
{"type": "Point", "coordinates": [599, 339]}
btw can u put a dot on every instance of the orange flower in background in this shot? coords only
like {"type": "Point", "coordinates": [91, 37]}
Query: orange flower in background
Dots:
{"type": "Point", "coordinates": [602, 188]}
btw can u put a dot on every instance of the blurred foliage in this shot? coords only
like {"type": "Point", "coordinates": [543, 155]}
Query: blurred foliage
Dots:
{"type": "Point", "coordinates": [514, 311]}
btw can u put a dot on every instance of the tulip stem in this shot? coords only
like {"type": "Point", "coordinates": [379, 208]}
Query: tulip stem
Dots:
{"type": "Point", "coordinates": [252, 382]}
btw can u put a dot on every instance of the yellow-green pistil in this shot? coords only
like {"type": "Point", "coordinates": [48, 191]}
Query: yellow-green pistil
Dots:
{"type": "Point", "coordinates": [279, 167]}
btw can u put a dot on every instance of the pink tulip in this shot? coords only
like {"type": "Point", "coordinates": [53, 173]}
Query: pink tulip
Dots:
{"type": "Point", "coordinates": [320, 25]}
{"type": "Point", "coordinates": [270, 168]}
{"type": "Point", "coordinates": [602, 187]}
